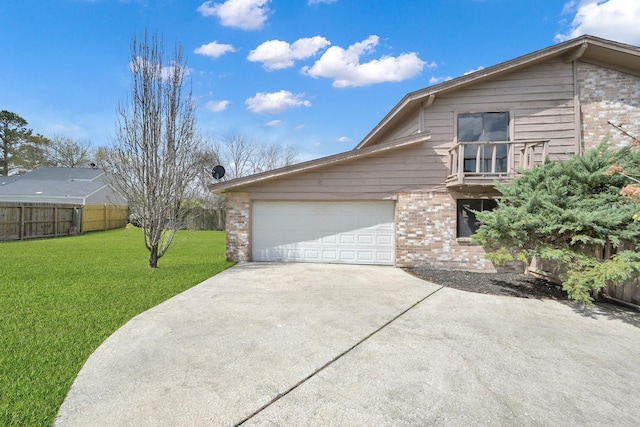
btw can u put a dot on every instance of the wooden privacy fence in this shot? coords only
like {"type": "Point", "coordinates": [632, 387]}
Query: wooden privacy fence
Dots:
{"type": "Point", "coordinates": [103, 217]}
{"type": "Point", "coordinates": [627, 292]}
{"type": "Point", "coordinates": [19, 221]}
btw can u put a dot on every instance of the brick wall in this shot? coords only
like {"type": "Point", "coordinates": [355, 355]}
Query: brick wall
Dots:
{"type": "Point", "coordinates": [426, 234]}
{"type": "Point", "coordinates": [607, 94]}
{"type": "Point", "coordinates": [238, 226]}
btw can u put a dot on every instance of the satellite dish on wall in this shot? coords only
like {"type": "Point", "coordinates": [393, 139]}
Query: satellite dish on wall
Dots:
{"type": "Point", "coordinates": [217, 172]}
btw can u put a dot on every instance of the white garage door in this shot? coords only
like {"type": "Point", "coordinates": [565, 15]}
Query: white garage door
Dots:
{"type": "Point", "coordinates": [341, 232]}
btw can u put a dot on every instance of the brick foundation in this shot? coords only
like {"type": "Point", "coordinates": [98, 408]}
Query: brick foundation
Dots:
{"type": "Point", "coordinates": [426, 235]}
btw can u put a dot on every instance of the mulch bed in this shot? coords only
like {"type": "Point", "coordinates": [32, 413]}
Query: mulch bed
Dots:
{"type": "Point", "coordinates": [511, 284]}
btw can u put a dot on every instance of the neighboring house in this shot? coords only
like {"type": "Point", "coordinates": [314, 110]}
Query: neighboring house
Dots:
{"type": "Point", "coordinates": [82, 186]}
{"type": "Point", "coordinates": [52, 201]}
{"type": "Point", "coordinates": [404, 196]}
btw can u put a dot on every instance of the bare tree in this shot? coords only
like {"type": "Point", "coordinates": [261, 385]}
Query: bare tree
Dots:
{"type": "Point", "coordinates": [154, 158]}
{"type": "Point", "coordinates": [274, 156]}
{"type": "Point", "coordinates": [241, 156]}
{"type": "Point", "coordinates": [236, 152]}
{"type": "Point", "coordinates": [67, 152]}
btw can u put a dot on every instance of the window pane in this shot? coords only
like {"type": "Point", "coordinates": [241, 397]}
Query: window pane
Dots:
{"type": "Point", "coordinates": [470, 153]}
{"type": "Point", "coordinates": [486, 158]}
{"type": "Point", "coordinates": [468, 223]}
{"type": "Point", "coordinates": [501, 158]}
{"type": "Point", "coordinates": [489, 204]}
{"type": "Point", "coordinates": [469, 127]}
{"type": "Point", "coordinates": [496, 126]}
{"type": "Point", "coordinates": [474, 127]}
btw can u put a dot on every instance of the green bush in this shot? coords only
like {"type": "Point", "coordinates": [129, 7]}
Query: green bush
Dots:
{"type": "Point", "coordinates": [568, 212]}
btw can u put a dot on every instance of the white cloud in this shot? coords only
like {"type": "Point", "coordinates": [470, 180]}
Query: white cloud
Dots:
{"type": "Point", "coordinates": [214, 49]}
{"type": "Point", "coordinates": [275, 102]}
{"type": "Point", "coordinates": [217, 106]}
{"type": "Point", "coordinates": [274, 123]}
{"type": "Point", "coordinates": [321, 1]}
{"type": "Point", "coordinates": [344, 67]}
{"type": "Point", "coordinates": [344, 139]}
{"type": "Point", "coordinates": [166, 72]}
{"type": "Point", "coordinates": [243, 14]}
{"type": "Point", "coordinates": [278, 54]}
{"type": "Point", "coordinates": [610, 19]}
{"type": "Point", "coordinates": [435, 80]}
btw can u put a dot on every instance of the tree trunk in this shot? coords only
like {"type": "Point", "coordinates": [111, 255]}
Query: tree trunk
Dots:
{"type": "Point", "coordinates": [153, 256]}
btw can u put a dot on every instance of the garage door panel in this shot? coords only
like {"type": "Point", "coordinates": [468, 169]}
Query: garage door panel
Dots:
{"type": "Point", "coordinates": [348, 232]}
{"type": "Point", "coordinates": [348, 256]}
{"type": "Point", "coordinates": [347, 239]}
{"type": "Point", "coordinates": [384, 240]}
{"type": "Point", "coordinates": [330, 239]}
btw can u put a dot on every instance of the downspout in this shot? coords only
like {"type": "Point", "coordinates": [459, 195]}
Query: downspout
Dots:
{"type": "Point", "coordinates": [573, 57]}
{"type": "Point", "coordinates": [577, 110]}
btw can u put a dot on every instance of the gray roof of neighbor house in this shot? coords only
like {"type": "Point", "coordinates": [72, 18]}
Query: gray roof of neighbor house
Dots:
{"type": "Point", "coordinates": [59, 185]}
{"type": "Point", "coordinates": [61, 174]}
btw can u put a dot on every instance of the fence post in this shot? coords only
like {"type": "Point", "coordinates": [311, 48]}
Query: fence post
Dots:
{"type": "Point", "coordinates": [21, 222]}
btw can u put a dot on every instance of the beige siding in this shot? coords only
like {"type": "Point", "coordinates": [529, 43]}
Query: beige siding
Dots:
{"type": "Point", "coordinates": [410, 126]}
{"type": "Point", "coordinates": [540, 100]}
{"type": "Point", "coordinates": [377, 177]}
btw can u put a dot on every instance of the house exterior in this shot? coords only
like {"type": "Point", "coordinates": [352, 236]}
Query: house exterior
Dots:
{"type": "Point", "coordinates": [51, 201]}
{"type": "Point", "coordinates": [404, 195]}
{"type": "Point", "coordinates": [82, 186]}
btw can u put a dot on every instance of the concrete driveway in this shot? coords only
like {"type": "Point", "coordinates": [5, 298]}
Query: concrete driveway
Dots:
{"type": "Point", "coordinates": [334, 345]}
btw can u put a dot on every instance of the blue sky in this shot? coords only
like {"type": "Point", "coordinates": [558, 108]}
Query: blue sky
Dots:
{"type": "Point", "coordinates": [317, 75]}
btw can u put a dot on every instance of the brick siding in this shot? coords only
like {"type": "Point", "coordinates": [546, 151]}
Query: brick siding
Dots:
{"type": "Point", "coordinates": [607, 94]}
{"type": "Point", "coordinates": [426, 234]}
{"type": "Point", "coordinates": [238, 227]}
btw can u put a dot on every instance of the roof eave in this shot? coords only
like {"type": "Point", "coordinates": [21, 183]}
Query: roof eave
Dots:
{"type": "Point", "coordinates": [413, 100]}
{"type": "Point", "coordinates": [235, 184]}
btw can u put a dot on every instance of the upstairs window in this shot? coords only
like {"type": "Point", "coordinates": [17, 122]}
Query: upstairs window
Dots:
{"type": "Point", "coordinates": [467, 223]}
{"type": "Point", "coordinates": [484, 127]}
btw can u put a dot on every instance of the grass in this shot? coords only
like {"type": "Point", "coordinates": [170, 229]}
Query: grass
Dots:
{"type": "Point", "coordinates": [61, 298]}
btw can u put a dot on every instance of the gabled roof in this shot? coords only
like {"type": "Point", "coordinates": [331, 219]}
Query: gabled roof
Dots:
{"type": "Point", "coordinates": [619, 56]}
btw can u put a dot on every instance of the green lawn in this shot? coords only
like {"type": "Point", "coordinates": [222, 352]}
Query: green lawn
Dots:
{"type": "Point", "coordinates": [60, 298]}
